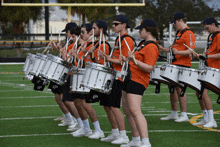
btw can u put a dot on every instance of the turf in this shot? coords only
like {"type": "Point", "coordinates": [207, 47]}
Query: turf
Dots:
{"type": "Point", "coordinates": [26, 117]}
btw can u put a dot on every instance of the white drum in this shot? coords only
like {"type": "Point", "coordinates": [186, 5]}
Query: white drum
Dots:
{"type": "Point", "coordinates": [40, 60]}
{"type": "Point", "coordinates": [171, 74]}
{"type": "Point", "coordinates": [155, 75]}
{"type": "Point", "coordinates": [55, 69]}
{"type": "Point", "coordinates": [98, 77]}
{"type": "Point", "coordinates": [211, 78]}
{"type": "Point", "coordinates": [189, 76]}
{"type": "Point", "coordinates": [76, 79]}
{"type": "Point", "coordinates": [29, 62]}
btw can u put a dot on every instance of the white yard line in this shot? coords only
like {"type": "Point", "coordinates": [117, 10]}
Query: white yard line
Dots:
{"type": "Point", "coordinates": [29, 97]}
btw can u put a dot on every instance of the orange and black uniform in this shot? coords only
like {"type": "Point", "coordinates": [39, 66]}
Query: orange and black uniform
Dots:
{"type": "Point", "coordinates": [139, 79]}
{"type": "Point", "coordinates": [181, 38]}
{"type": "Point", "coordinates": [213, 48]}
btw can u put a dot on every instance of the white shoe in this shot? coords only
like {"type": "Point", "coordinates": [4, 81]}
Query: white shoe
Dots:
{"type": "Point", "coordinates": [82, 133]}
{"type": "Point", "coordinates": [110, 137]}
{"type": "Point", "coordinates": [145, 145]}
{"type": "Point", "coordinates": [66, 123]}
{"type": "Point", "coordinates": [132, 144]}
{"type": "Point", "coordinates": [182, 119]}
{"type": "Point", "coordinates": [210, 124]}
{"type": "Point", "coordinates": [121, 140]}
{"type": "Point", "coordinates": [200, 123]}
{"type": "Point", "coordinates": [59, 118]}
{"type": "Point", "coordinates": [169, 117]}
{"type": "Point", "coordinates": [77, 129]}
{"type": "Point", "coordinates": [73, 127]}
{"type": "Point", "coordinates": [97, 135]}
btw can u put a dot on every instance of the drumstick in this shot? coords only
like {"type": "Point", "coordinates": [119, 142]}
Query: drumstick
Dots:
{"type": "Point", "coordinates": [46, 48]}
{"type": "Point", "coordinates": [51, 39]}
{"type": "Point", "coordinates": [100, 41]}
{"type": "Point", "coordinates": [119, 42]}
{"type": "Point", "coordinates": [76, 47]}
{"type": "Point", "coordinates": [104, 47]}
{"type": "Point", "coordinates": [130, 50]}
{"type": "Point", "coordinates": [190, 49]}
{"type": "Point", "coordinates": [93, 42]}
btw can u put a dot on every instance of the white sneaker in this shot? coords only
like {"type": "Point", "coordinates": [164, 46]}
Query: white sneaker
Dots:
{"type": "Point", "coordinates": [59, 118]}
{"type": "Point", "coordinates": [66, 123]}
{"type": "Point", "coordinates": [200, 123]}
{"type": "Point", "coordinates": [82, 133]}
{"type": "Point", "coordinates": [132, 144]}
{"type": "Point", "coordinates": [182, 119]}
{"type": "Point", "coordinates": [121, 140]}
{"type": "Point", "coordinates": [110, 137]}
{"type": "Point", "coordinates": [169, 117]}
{"type": "Point", "coordinates": [77, 129]}
{"type": "Point", "coordinates": [145, 145]}
{"type": "Point", "coordinates": [210, 124]}
{"type": "Point", "coordinates": [73, 127]}
{"type": "Point", "coordinates": [97, 135]}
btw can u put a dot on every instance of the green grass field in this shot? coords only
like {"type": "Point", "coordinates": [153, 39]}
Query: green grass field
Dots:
{"type": "Point", "coordinates": [26, 117]}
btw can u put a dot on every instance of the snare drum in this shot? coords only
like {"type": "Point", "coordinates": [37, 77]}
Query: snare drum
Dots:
{"type": "Point", "coordinates": [211, 78]}
{"type": "Point", "coordinates": [98, 77]}
{"type": "Point", "coordinates": [189, 77]}
{"type": "Point", "coordinates": [29, 62]}
{"type": "Point", "coordinates": [39, 62]}
{"type": "Point", "coordinates": [155, 75]}
{"type": "Point", "coordinates": [55, 69]}
{"type": "Point", "coordinates": [76, 78]}
{"type": "Point", "coordinates": [171, 74]}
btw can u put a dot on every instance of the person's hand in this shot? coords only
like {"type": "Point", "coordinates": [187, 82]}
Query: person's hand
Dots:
{"type": "Point", "coordinates": [102, 55]}
{"type": "Point", "coordinates": [161, 48]}
{"type": "Point", "coordinates": [59, 45]}
{"type": "Point", "coordinates": [175, 51]}
{"type": "Point", "coordinates": [122, 58]}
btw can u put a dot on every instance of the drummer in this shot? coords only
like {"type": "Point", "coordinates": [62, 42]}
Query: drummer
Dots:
{"type": "Point", "coordinates": [212, 59]}
{"type": "Point", "coordinates": [183, 59]}
{"type": "Point", "coordinates": [72, 117]}
{"type": "Point", "coordinates": [57, 89]}
{"type": "Point", "coordinates": [84, 43]}
{"type": "Point", "coordinates": [113, 101]}
{"type": "Point", "coordinates": [141, 64]}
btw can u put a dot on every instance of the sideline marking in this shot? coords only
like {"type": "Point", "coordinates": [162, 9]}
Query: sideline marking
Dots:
{"type": "Point", "coordinates": [10, 72]}
{"type": "Point", "coordinates": [153, 131]}
{"type": "Point", "coordinates": [194, 120]}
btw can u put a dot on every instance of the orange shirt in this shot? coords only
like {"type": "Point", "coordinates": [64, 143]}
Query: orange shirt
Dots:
{"type": "Point", "coordinates": [214, 48]}
{"type": "Point", "coordinates": [124, 50]}
{"type": "Point", "coordinates": [102, 49]}
{"type": "Point", "coordinates": [149, 55]}
{"type": "Point", "coordinates": [185, 38]}
{"type": "Point", "coordinates": [80, 54]}
{"type": "Point", "coordinates": [70, 47]}
{"type": "Point", "coordinates": [87, 59]}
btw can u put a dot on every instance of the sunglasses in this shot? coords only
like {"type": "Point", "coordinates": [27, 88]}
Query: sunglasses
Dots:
{"type": "Point", "coordinates": [116, 24]}
{"type": "Point", "coordinates": [206, 28]}
{"type": "Point", "coordinates": [82, 32]}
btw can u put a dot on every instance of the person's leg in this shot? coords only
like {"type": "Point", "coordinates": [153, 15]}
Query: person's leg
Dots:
{"type": "Point", "coordinates": [58, 99]}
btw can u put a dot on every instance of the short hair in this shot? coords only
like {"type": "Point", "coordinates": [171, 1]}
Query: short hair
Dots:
{"type": "Point", "coordinates": [76, 30]}
{"type": "Point", "coordinates": [153, 31]}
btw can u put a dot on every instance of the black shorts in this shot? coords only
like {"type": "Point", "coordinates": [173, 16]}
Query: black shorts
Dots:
{"type": "Point", "coordinates": [67, 95]}
{"type": "Point", "coordinates": [133, 87]}
{"type": "Point", "coordinates": [55, 88]}
{"type": "Point", "coordinates": [114, 98]}
{"type": "Point", "coordinates": [95, 96]}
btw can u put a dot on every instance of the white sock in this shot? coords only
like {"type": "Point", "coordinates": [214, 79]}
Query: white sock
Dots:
{"type": "Point", "coordinates": [145, 140]}
{"type": "Point", "coordinates": [205, 115]}
{"type": "Point", "coordinates": [183, 114]}
{"type": "Point", "coordinates": [74, 118]}
{"type": "Point", "coordinates": [174, 113]}
{"type": "Point", "coordinates": [210, 114]}
{"type": "Point", "coordinates": [68, 117]}
{"type": "Point", "coordinates": [122, 133]}
{"type": "Point", "coordinates": [79, 120]}
{"type": "Point", "coordinates": [136, 138]}
{"type": "Point", "coordinates": [115, 131]}
{"type": "Point", "coordinates": [97, 126]}
{"type": "Point", "coordinates": [86, 125]}
{"type": "Point", "coordinates": [63, 115]}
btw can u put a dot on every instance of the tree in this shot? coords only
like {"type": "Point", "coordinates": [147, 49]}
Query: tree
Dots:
{"type": "Point", "coordinates": [19, 15]}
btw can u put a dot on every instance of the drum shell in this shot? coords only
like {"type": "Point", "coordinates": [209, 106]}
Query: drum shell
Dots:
{"type": "Point", "coordinates": [98, 77]}
{"type": "Point", "coordinates": [55, 69]}
{"type": "Point", "coordinates": [29, 62]}
{"type": "Point", "coordinates": [189, 77]}
{"type": "Point", "coordinates": [76, 79]}
{"type": "Point", "coordinates": [155, 75]}
{"type": "Point", "coordinates": [210, 76]}
{"type": "Point", "coordinates": [171, 74]}
{"type": "Point", "coordinates": [39, 62]}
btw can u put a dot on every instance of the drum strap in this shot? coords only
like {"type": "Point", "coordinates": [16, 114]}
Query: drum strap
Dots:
{"type": "Point", "coordinates": [181, 33]}
{"type": "Point", "coordinates": [183, 90]}
{"type": "Point", "coordinates": [202, 90]}
{"type": "Point", "coordinates": [172, 88]}
{"type": "Point", "coordinates": [107, 44]}
{"type": "Point", "coordinates": [122, 37]}
{"type": "Point", "coordinates": [146, 43]}
{"type": "Point", "coordinates": [210, 38]}
{"type": "Point", "coordinates": [157, 90]}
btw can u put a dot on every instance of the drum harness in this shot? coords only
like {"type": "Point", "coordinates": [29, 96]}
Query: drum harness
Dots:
{"type": "Point", "coordinates": [203, 63]}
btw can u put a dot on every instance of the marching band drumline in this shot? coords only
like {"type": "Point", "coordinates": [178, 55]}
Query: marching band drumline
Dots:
{"type": "Point", "coordinates": [94, 66]}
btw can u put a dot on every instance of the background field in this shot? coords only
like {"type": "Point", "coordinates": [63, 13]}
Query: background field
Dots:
{"type": "Point", "coordinates": [26, 117]}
